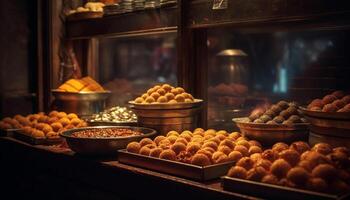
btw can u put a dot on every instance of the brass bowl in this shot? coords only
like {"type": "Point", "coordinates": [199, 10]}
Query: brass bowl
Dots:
{"type": "Point", "coordinates": [269, 134]}
{"type": "Point", "coordinates": [81, 103]}
{"type": "Point", "coordinates": [103, 146]}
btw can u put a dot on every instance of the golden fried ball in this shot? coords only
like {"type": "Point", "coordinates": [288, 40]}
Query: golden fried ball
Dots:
{"type": "Point", "coordinates": [162, 99]}
{"type": "Point", "coordinates": [187, 137]}
{"type": "Point", "coordinates": [150, 91]}
{"type": "Point", "coordinates": [280, 146]}
{"type": "Point", "coordinates": [145, 151]}
{"type": "Point", "coordinates": [300, 146]}
{"type": "Point", "coordinates": [133, 147]}
{"type": "Point", "coordinates": [61, 115]}
{"type": "Point", "coordinates": [270, 179]}
{"type": "Point", "coordinates": [52, 134]}
{"type": "Point", "coordinates": [254, 149]}
{"type": "Point", "coordinates": [200, 159]}
{"type": "Point", "coordinates": [174, 91]}
{"type": "Point", "coordinates": [209, 149]}
{"type": "Point", "coordinates": [280, 168]}
{"type": "Point", "coordinates": [210, 144]}
{"type": "Point", "coordinates": [146, 141]}
{"type": "Point", "coordinates": [178, 147]}
{"type": "Point", "coordinates": [219, 157]}
{"type": "Point", "coordinates": [180, 90]}
{"type": "Point", "coordinates": [151, 146]}
{"type": "Point", "coordinates": [224, 149]}
{"type": "Point", "coordinates": [216, 140]}
{"type": "Point", "coordinates": [172, 139]}
{"type": "Point", "coordinates": [210, 132]}
{"type": "Point", "coordinates": [342, 150]}
{"type": "Point", "coordinates": [144, 96]}
{"type": "Point", "coordinates": [193, 147]}
{"type": "Point", "coordinates": [179, 98]}
{"type": "Point", "coordinates": [168, 154]}
{"type": "Point", "coordinates": [234, 156]}
{"type": "Point", "coordinates": [165, 144]}
{"type": "Point", "coordinates": [256, 173]}
{"type": "Point", "coordinates": [53, 113]}
{"type": "Point", "coordinates": [158, 139]}
{"type": "Point", "coordinates": [139, 100]}
{"type": "Point", "coordinates": [198, 130]}
{"type": "Point", "coordinates": [72, 116]}
{"type": "Point", "coordinates": [316, 158]}
{"type": "Point", "coordinates": [291, 156]}
{"type": "Point", "coordinates": [270, 155]}
{"type": "Point", "coordinates": [75, 121]}
{"type": "Point", "coordinates": [27, 129]}
{"type": "Point", "coordinates": [254, 143]}
{"type": "Point", "coordinates": [306, 165]}
{"type": "Point", "coordinates": [234, 136]}
{"type": "Point", "coordinates": [56, 126]}
{"type": "Point", "coordinates": [227, 142]}
{"type": "Point", "coordinates": [264, 163]}
{"type": "Point", "coordinates": [150, 99]}
{"type": "Point", "coordinates": [156, 87]}
{"type": "Point", "coordinates": [155, 95]}
{"type": "Point", "coordinates": [244, 143]}
{"type": "Point", "coordinates": [188, 101]}
{"type": "Point", "coordinates": [255, 157]}
{"type": "Point", "coordinates": [246, 162]}
{"type": "Point", "coordinates": [340, 159]}
{"type": "Point", "coordinates": [222, 132]}
{"type": "Point", "coordinates": [52, 120]}
{"type": "Point", "coordinates": [298, 175]}
{"type": "Point", "coordinates": [317, 184]}
{"type": "Point", "coordinates": [166, 87]}
{"type": "Point", "coordinates": [237, 172]}
{"type": "Point", "coordinates": [209, 154]}
{"type": "Point", "coordinates": [38, 134]}
{"type": "Point", "coordinates": [47, 128]}
{"type": "Point", "coordinates": [39, 126]}
{"type": "Point", "coordinates": [324, 171]}
{"type": "Point", "coordinates": [155, 152]}
{"type": "Point", "coordinates": [182, 140]}
{"type": "Point", "coordinates": [242, 149]}
{"type": "Point", "coordinates": [161, 92]}
{"type": "Point", "coordinates": [322, 148]}
{"type": "Point", "coordinates": [64, 121]}
{"type": "Point", "coordinates": [220, 137]}
{"type": "Point", "coordinates": [170, 133]}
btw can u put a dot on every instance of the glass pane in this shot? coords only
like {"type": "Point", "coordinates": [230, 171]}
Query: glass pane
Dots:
{"type": "Point", "coordinates": [249, 69]}
{"type": "Point", "coordinates": [129, 66]}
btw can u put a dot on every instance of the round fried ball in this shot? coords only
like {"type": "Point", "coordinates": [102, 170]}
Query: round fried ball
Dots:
{"type": "Point", "coordinates": [264, 163]}
{"type": "Point", "coordinates": [329, 99]}
{"type": "Point", "coordinates": [242, 149]}
{"type": "Point", "coordinates": [144, 96]}
{"type": "Point", "coordinates": [169, 96]}
{"type": "Point", "coordinates": [243, 143]}
{"type": "Point", "coordinates": [165, 144]}
{"type": "Point", "coordinates": [316, 158]}
{"type": "Point", "coordinates": [133, 147]}
{"type": "Point", "coordinates": [224, 149]}
{"type": "Point", "coordinates": [291, 156]}
{"type": "Point", "coordinates": [271, 122]}
{"type": "Point", "coordinates": [72, 116]}
{"type": "Point", "coordinates": [246, 162]}
{"type": "Point", "coordinates": [294, 119]}
{"type": "Point", "coordinates": [237, 172]}
{"type": "Point", "coordinates": [234, 136]}
{"type": "Point", "coordinates": [150, 99]}
{"type": "Point", "coordinates": [38, 134]}
{"type": "Point", "coordinates": [329, 108]}
{"type": "Point", "coordinates": [168, 154]}
{"type": "Point", "coordinates": [322, 148]}
{"type": "Point", "coordinates": [200, 159]}
{"type": "Point", "coordinates": [145, 151]}
{"type": "Point", "coordinates": [253, 116]}
{"type": "Point", "coordinates": [342, 149]}
{"type": "Point", "coordinates": [172, 133]}
{"type": "Point", "coordinates": [270, 179]}
{"type": "Point", "coordinates": [235, 156]}
{"type": "Point", "coordinates": [280, 146]}
{"type": "Point", "coordinates": [209, 149]}
{"type": "Point", "coordinates": [265, 118]}
{"type": "Point", "coordinates": [254, 143]}
{"type": "Point", "coordinates": [56, 126]}
{"type": "Point", "coordinates": [283, 104]}
{"type": "Point", "coordinates": [285, 114]}
{"type": "Point", "coordinates": [306, 165]}
{"type": "Point", "coordinates": [179, 98]}
{"type": "Point", "coordinates": [316, 184]}
{"type": "Point", "coordinates": [172, 101]}
{"type": "Point", "coordinates": [64, 121]}
{"type": "Point", "coordinates": [209, 154]}
{"type": "Point", "coordinates": [193, 148]}
{"type": "Point", "coordinates": [339, 94]}
{"type": "Point", "coordinates": [182, 140]}
{"type": "Point", "coordinates": [256, 173]}
{"type": "Point", "coordinates": [270, 155]}
{"type": "Point", "coordinates": [52, 134]}
{"type": "Point", "coordinates": [158, 139]}
{"type": "Point", "coordinates": [228, 143]}
{"type": "Point", "coordinates": [300, 146]}
{"type": "Point", "coordinates": [254, 149]}
{"type": "Point", "coordinates": [162, 99]}
{"type": "Point", "coordinates": [259, 121]}
{"type": "Point", "coordinates": [161, 91]}
{"type": "Point", "coordinates": [210, 144]}
{"type": "Point", "coordinates": [298, 175]}
{"type": "Point", "coordinates": [178, 147]}
{"type": "Point", "coordinates": [280, 168]}
{"type": "Point", "coordinates": [172, 139]}
{"type": "Point", "coordinates": [53, 113]}
{"type": "Point", "coordinates": [346, 99]}
{"type": "Point", "coordinates": [316, 103]}
{"type": "Point", "coordinates": [155, 152]}
{"type": "Point", "coordinates": [339, 104]}
{"type": "Point", "coordinates": [220, 137]}
{"type": "Point", "coordinates": [219, 157]}
{"type": "Point", "coordinates": [166, 87]}
{"type": "Point", "coordinates": [255, 157]}
{"type": "Point", "coordinates": [270, 113]}
{"type": "Point", "coordinates": [146, 141]}
{"type": "Point", "coordinates": [61, 115]}
{"type": "Point", "coordinates": [324, 171]}
{"type": "Point", "coordinates": [47, 128]}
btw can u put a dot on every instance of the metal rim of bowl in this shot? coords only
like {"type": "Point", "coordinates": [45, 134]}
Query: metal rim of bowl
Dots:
{"type": "Point", "coordinates": [326, 115]}
{"type": "Point", "coordinates": [195, 103]}
{"type": "Point", "coordinates": [89, 96]}
{"type": "Point", "coordinates": [273, 127]}
{"type": "Point", "coordinates": [64, 133]}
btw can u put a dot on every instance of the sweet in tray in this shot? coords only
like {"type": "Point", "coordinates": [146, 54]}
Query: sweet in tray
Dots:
{"type": "Point", "coordinates": [282, 112]}
{"type": "Point", "coordinates": [85, 84]}
{"type": "Point", "coordinates": [115, 114]}
{"type": "Point", "coordinates": [200, 147]}
{"type": "Point", "coordinates": [48, 126]}
{"type": "Point", "coordinates": [320, 168]}
{"type": "Point", "coordinates": [164, 94]}
{"type": "Point", "coordinates": [337, 101]}
{"type": "Point", "coordinates": [17, 122]}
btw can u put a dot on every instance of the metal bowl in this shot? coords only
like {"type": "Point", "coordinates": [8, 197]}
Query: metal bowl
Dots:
{"type": "Point", "coordinates": [156, 106]}
{"type": "Point", "coordinates": [103, 146]}
{"type": "Point", "coordinates": [269, 134]}
{"type": "Point", "coordinates": [81, 103]}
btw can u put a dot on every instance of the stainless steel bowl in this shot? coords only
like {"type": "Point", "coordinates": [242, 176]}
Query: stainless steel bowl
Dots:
{"type": "Point", "coordinates": [103, 146]}
{"type": "Point", "coordinates": [81, 103]}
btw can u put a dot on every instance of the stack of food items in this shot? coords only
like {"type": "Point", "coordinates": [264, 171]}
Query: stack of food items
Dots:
{"type": "Point", "coordinates": [199, 147]}
{"type": "Point", "coordinates": [89, 7]}
{"type": "Point", "coordinates": [116, 114]}
{"type": "Point", "coordinates": [48, 126]}
{"type": "Point", "coordinates": [337, 101]}
{"type": "Point", "coordinates": [165, 94]}
{"type": "Point", "coordinates": [281, 113]}
{"type": "Point", "coordinates": [17, 122]}
{"type": "Point", "coordinates": [86, 84]}
{"type": "Point", "coordinates": [320, 168]}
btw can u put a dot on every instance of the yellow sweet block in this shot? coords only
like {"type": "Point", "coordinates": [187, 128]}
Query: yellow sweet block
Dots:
{"type": "Point", "coordinates": [77, 84]}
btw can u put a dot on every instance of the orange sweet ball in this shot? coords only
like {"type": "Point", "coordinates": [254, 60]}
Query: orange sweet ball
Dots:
{"type": "Point", "coordinates": [156, 152]}
{"type": "Point", "coordinates": [61, 115]}
{"type": "Point", "coordinates": [224, 149]}
{"type": "Point", "coordinates": [64, 121]}
{"type": "Point", "coordinates": [200, 159]}
{"type": "Point", "coordinates": [158, 139]}
{"type": "Point", "coordinates": [235, 156]}
{"type": "Point", "coordinates": [162, 99]}
{"type": "Point", "coordinates": [237, 172]}
{"type": "Point", "coordinates": [139, 100]}
{"type": "Point", "coordinates": [167, 87]}
{"type": "Point", "coordinates": [169, 96]}
{"type": "Point", "coordinates": [53, 113]}
{"type": "Point", "coordinates": [161, 91]}
{"type": "Point", "coordinates": [144, 96]}
{"type": "Point", "coordinates": [178, 147]}
{"type": "Point", "coordinates": [193, 147]}
{"type": "Point", "coordinates": [72, 116]}
{"type": "Point", "coordinates": [155, 95]}
{"type": "Point", "coordinates": [179, 98]}
{"type": "Point", "coordinates": [168, 154]}
{"type": "Point", "coordinates": [146, 141]}
{"type": "Point", "coordinates": [145, 151]}
{"type": "Point", "coordinates": [133, 147]}
{"type": "Point", "coordinates": [150, 99]}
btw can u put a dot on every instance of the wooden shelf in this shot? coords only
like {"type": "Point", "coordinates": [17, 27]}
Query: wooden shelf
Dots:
{"type": "Point", "coordinates": [135, 23]}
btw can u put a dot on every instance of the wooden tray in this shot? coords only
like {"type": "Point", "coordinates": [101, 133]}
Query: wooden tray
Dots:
{"type": "Point", "coordinates": [84, 15]}
{"type": "Point", "coordinates": [269, 191]}
{"type": "Point", "coordinates": [269, 134]}
{"type": "Point", "coordinates": [195, 172]}
{"type": "Point", "coordinates": [7, 132]}
{"type": "Point", "coordinates": [36, 141]}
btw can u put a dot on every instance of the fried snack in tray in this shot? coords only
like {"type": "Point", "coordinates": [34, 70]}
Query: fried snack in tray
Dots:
{"type": "Point", "coordinates": [164, 94]}
{"type": "Point", "coordinates": [17, 122]}
{"type": "Point", "coordinates": [320, 168]}
{"type": "Point", "coordinates": [48, 126]}
{"type": "Point", "coordinates": [200, 147]}
{"type": "Point", "coordinates": [337, 101]}
{"type": "Point", "coordinates": [282, 112]}
{"type": "Point", "coordinates": [85, 84]}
